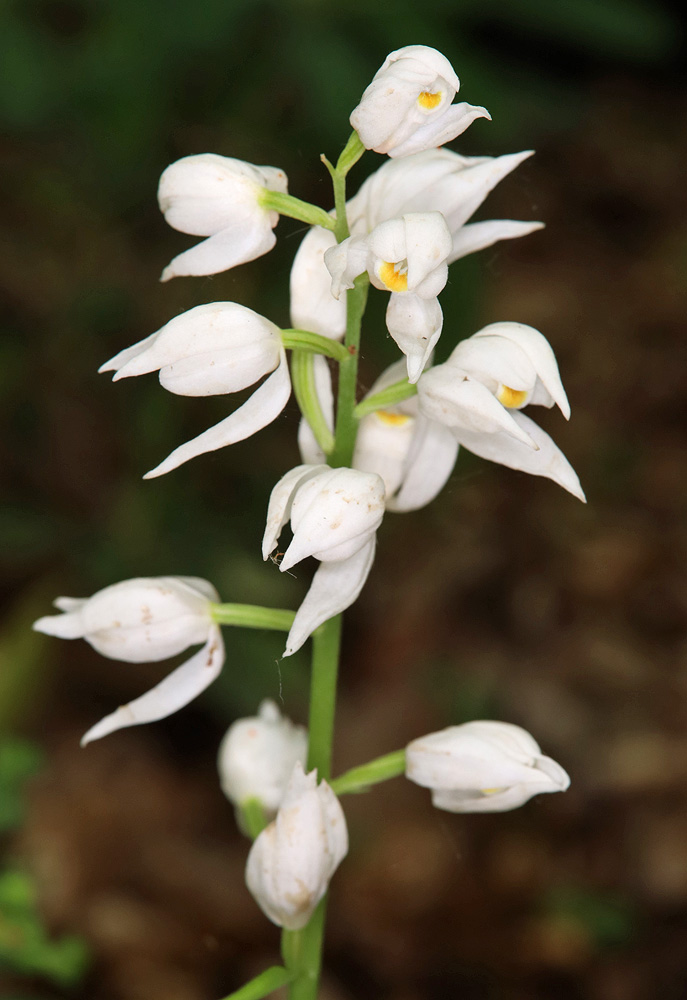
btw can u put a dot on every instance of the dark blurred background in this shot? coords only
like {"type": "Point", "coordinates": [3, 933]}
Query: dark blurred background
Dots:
{"type": "Point", "coordinates": [123, 870]}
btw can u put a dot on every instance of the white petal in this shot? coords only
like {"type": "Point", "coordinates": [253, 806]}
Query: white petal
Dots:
{"type": "Point", "coordinates": [204, 193]}
{"type": "Point", "coordinates": [227, 248]}
{"type": "Point", "coordinates": [382, 445]}
{"type": "Point", "coordinates": [333, 515]}
{"type": "Point", "coordinates": [494, 361]}
{"type": "Point", "coordinates": [174, 692]}
{"type": "Point", "coordinates": [466, 405]}
{"type": "Point", "coordinates": [345, 262]}
{"type": "Point", "coordinates": [548, 460]}
{"type": "Point", "coordinates": [313, 307]}
{"type": "Point", "coordinates": [436, 131]}
{"type": "Point", "coordinates": [281, 499]}
{"type": "Point", "coordinates": [540, 353]}
{"type": "Point", "coordinates": [479, 235]}
{"type": "Point", "coordinates": [335, 586]}
{"type": "Point", "coordinates": [261, 409]}
{"type": "Point", "coordinates": [415, 324]}
{"type": "Point", "coordinates": [429, 464]}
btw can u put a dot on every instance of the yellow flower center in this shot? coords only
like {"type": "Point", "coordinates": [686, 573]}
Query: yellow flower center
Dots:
{"type": "Point", "coordinates": [427, 100]}
{"type": "Point", "coordinates": [394, 276]}
{"type": "Point", "coordinates": [392, 419]}
{"type": "Point", "coordinates": [512, 398]}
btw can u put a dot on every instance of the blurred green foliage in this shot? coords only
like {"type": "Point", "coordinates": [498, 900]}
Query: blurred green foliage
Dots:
{"type": "Point", "coordinates": [608, 919]}
{"type": "Point", "coordinates": [19, 761]}
{"type": "Point", "coordinates": [25, 945]}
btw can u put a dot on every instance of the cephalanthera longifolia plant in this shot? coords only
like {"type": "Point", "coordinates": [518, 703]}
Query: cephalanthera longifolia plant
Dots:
{"type": "Point", "coordinates": [391, 451]}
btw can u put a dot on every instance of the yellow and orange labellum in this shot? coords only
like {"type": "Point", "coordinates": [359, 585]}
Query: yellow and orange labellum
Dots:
{"type": "Point", "coordinates": [427, 100]}
{"type": "Point", "coordinates": [512, 398]}
{"type": "Point", "coordinates": [391, 275]}
{"type": "Point", "coordinates": [392, 419]}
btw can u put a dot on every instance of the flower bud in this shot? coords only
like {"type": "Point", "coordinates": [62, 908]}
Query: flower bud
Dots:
{"type": "Point", "coordinates": [145, 620]}
{"type": "Point", "coordinates": [482, 767]}
{"type": "Point", "coordinates": [291, 862]}
{"type": "Point", "coordinates": [257, 757]}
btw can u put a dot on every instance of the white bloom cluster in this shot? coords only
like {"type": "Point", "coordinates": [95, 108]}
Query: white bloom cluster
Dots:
{"type": "Point", "coordinates": [408, 222]}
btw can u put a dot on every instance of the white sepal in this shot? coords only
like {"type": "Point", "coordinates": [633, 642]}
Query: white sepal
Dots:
{"type": "Point", "coordinates": [257, 412]}
{"type": "Point", "coordinates": [292, 861]}
{"type": "Point", "coordinates": [335, 586]}
{"type": "Point", "coordinates": [407, 107]}
{"type": "Point", "coordinates": [257, 756]}
{"type": "Point", "coordinates": [547, 460]}
{"type": "Point", "coordinates": [482, 767]}
{"type": "Point", "coordinates": [218, 197]}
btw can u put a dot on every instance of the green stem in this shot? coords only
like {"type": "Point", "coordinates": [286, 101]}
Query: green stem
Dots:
{"type": "Point", "coordinates": [302, 950]}
{"type": "Point", "coordinates": [359, 779]}
{"type": "Point", "coordinates": [302, 953]}
{"type": "Point", "coordinates": [306, 340]}
{"type": "Point", "coordinates": [253, 616]}
{"type": "Point", "coordinates": [346, 423]}
{"type": "Point", "coordinates": [393, 394]}
{"type": "Point", "coordinates": [294, 208]}
{"type": "Point", "coordinates": [303, 379]}
{"type": "Point", "coordinates": [253, 819]}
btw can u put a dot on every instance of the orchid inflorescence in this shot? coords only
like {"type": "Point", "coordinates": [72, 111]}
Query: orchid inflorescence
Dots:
{"type": "Point", "coordinates": [392, 450]}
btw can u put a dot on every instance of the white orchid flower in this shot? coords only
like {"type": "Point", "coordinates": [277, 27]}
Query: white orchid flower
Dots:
{"type": "Point", "coordinates": [334, 516]}
{"type": "Point", "coordinates": [218, 348]}
{"type": "Point", "coordinates": [437, 180]}
{"type": "Point", "coordinates": [408, 106]}
{"type": "Point", "coordinates": [482, 767]}
{"type": "Point", "coordinates": [219, 197]}
{"type": "Point", "coordinates": [407, 257]}
{"type": "Point", "coordinates": [479, 391]}
{"type": "Point", "coordinates": [257, 756]}
{"type": "Point", "coordinates": [292, 861]}
{"type": "Point", "coordinates": [413, 455]}
{"type": "Point", "coordinates": [141, 621]}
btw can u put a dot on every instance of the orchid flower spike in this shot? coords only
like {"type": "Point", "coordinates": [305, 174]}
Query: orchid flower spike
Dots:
{"type": "Point", "coordinates": [291, 862]}
{"type": "Point", "coordinates": [479, 391]}
{"type": "Point", "coordinates": [334, 516]}
{"type": "Point", "coordinates": [407, 257]}
{"type": "Point", "coordinates": [257, 756]}
{"type": "Point", "coordinates": [219, 197]}
{"type": "Point", "coordinates": [218, 348]}
{"type": "Point", "coordinates": [408, 106]}
{"type": "Point", "coordinates": [437, 180]}
{"type": "Point", "coordinates": [482, 767]}
{"type": "Point", "coordinates": [141, 621]}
